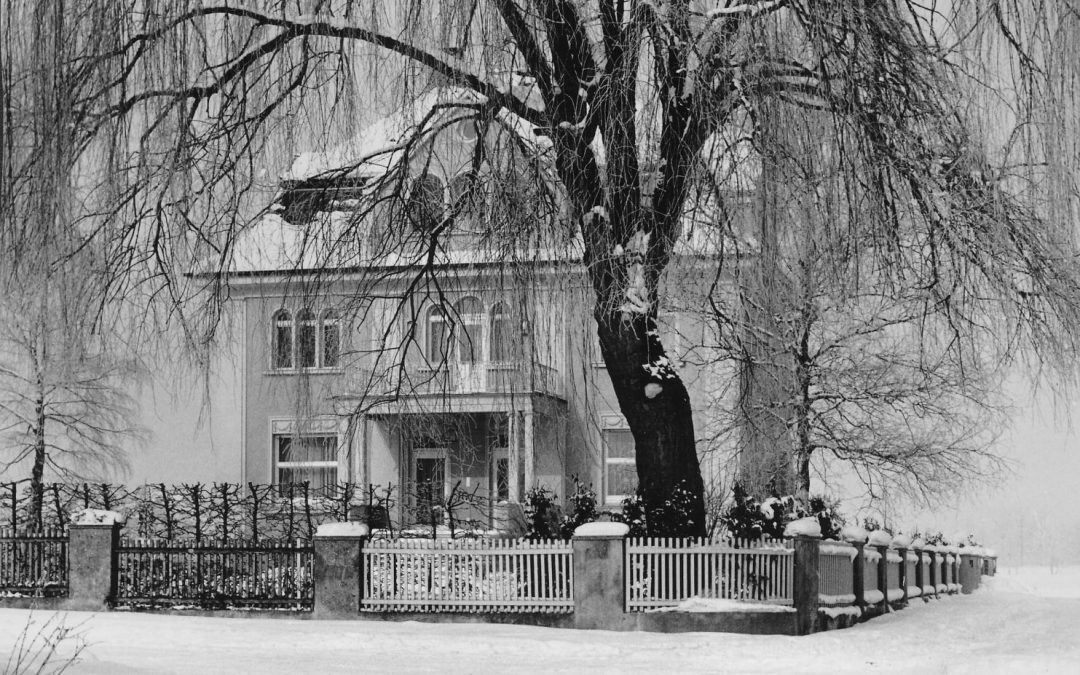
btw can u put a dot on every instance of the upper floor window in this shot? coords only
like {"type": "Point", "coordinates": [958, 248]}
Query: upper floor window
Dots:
{"type": "Point", "coordinates": [331, 339]}
{"type": "Point", "coordinates": [470, 336]}
{"type": "Point", "coordinates": [427, 201]}
{"type": "Point", "coordinates": [438, 335]}
{"type": "Point", "coordinates": [283, 340]}
{"type": "Point", "coordinates": [469, 333]}
{"type": "Point", "coordinates": [500, 333]}
{"type": "Point", "coordinates": [306, 340]}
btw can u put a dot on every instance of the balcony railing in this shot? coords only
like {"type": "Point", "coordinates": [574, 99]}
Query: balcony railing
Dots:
{"type": "Point", "coordinates": [487, 377]}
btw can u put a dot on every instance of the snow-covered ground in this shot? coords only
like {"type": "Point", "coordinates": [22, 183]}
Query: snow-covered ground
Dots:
{"type": "Point", "coordinates": [1023, 621]}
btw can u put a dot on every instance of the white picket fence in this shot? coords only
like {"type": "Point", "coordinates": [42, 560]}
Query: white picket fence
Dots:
{"type": "Point", "coordinates": [467, 575]}
{"type": "Point", "coordinates": [662, 572]}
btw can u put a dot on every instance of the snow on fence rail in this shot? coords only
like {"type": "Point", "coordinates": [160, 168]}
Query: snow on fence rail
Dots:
{"type": "Point", "coordinates": [215, 575]}
{"type": "Point", "coordinates": [33, 563]}
{"type": "Point", "coordinates": [836, 574]}
{"type": "Point", "coordinates": [662, 572]}
{"type": "Point", "coordinates": [467, 575]}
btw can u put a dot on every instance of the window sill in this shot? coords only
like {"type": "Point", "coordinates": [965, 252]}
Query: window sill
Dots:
{"type": "Point", "coordinates": [275, 372]}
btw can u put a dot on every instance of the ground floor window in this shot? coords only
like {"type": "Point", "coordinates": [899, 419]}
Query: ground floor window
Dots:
{"type": "Point", "coordinates": [620, 470]}
{"type": "Point", "coordinates": [310, 458]}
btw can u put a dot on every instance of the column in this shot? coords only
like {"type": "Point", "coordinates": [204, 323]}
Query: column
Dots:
{"type": "Point", "coordinates": [529, 432]}
{"type": "Point", "coordinates": [338, 569]}
{"type": "Point", "coordinates": [805, 588]}
{"type": "Point", "coordinates": [599, 581]}
{"type": "Point", "coordinates": [514, 464]}
{"type": "Point", "coordinates": [92, 566]}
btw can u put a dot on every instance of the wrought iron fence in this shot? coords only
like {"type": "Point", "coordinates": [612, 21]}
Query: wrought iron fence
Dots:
{"type": "Point", "coordinates": [215, 575]}
{"type": "Point", "coordinates": [33, 563]}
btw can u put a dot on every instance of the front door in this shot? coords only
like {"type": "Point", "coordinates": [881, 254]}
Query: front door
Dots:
{"type": "Point", "coordinates": [430, 484]}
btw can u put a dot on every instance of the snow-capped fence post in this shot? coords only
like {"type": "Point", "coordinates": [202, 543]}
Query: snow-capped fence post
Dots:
{"type": "Point", "coordinates": [338, 569]}
{"type": "Point", "coordinates": [599, 575]}
{"type": "Point", "coordinates": [858, 574]}
{"type": "Point", "coordinates": [883, 576]}
{"type": "Point", "coordinates": [903, 553]}
{"type": "Point", "coordinates": [970, 569]}
{"type": "Point", "coordinates": [93, 540]}
{"type": "Point", "coordinates": [857, 536]}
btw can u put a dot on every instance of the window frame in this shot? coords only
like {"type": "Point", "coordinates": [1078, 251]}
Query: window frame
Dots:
{"type": "Point", "coordinates": [422, 186]}
{"type": "Point", "coordinates": [282, 319]}
{"type": "Point", "coordinates": [607, 461]}
{"type": "Point", "coordinates": [296, 437]}
{"type": "Point", "coordinates": [296, 321]}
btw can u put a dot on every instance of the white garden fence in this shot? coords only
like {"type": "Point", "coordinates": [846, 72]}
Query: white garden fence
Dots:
{"type": "Point", "coordinates": [662, 572]}
{"type": "Point", "coordinates": [467, 575]}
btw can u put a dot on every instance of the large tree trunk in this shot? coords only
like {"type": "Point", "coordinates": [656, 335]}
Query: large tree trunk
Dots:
{"type": "Point", "coordinates": [660, 417]}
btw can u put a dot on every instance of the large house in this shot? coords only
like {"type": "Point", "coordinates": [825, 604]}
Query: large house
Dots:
{"type": "Point", "coordinates": [402, 324]}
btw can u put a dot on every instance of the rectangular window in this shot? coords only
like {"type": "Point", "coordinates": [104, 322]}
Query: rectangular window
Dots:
{"type": "Point", "coordinates": [305, 343]}
{"type": "Point", "coordinates": [307, 458]}
{"type": "Point", "coordinates": [331, 345]}
{"type": "Point", "coordinates": [620, 470]}
{"type": "Point", "coordinates": [283, 344]}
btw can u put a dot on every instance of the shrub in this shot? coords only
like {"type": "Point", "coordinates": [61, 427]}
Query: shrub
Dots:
{"type": "Point", "coordinates": [749, 519]}
{"type": "Point", "coordinates": [827, 511]}
{"type": "Point", "coordinates": [633, 514]}
{"type": "Point", "coordinates": [582, 506]}
{"type": "Point", "coordinates": [541, 514]}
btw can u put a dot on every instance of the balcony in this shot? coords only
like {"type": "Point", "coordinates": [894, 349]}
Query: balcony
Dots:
{"type": "Point", "coordinates": [487, 377]}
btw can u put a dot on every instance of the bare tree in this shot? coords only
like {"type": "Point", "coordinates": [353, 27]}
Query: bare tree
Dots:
{"type": "Point", "coordinates": [64, 406]}
{"type": "Point", "coordinates": [624, 109]}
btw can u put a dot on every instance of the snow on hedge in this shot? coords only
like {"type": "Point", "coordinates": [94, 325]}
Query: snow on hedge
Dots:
{"type": "Point", "coordinates": [803, 527]}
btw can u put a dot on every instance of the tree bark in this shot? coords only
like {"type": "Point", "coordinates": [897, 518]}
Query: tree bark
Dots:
{"type": "Point", "coordinates": [662, 424]}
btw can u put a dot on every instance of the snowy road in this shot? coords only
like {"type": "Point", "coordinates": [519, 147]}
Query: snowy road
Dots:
{"type": "Point", "coordinates": [1027, 622]}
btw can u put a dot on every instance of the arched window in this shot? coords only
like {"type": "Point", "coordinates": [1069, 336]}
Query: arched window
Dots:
{"type": "Point", "coordinates": [331, 339]}
{"type": "Point", "coordinates": [500, 333]}
{"type": "Point", "coordinates": [283, 340]}
{"type": "Point", "coordinates": [306, 331]}
{"type": "Point", "coordinates": [426, 201]}
{"type": "Point", "coordinates": [438, 335]}
{"type": "Point", "coordinates": [470, 339]}
{"type": "Point", "coordinates": [461, 190]}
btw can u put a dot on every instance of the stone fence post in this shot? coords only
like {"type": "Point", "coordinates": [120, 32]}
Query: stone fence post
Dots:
{"type": "Point", "coordinates": [338, 569]}
{"type": "Point", "coordinates": [858, 580]}
{"type": "Point", "coordinates": [805, 590]}
{"type": "Point", "coordinates": [883, 577]}
{"type": "Point", "coordinates": [970, 571]}
{"type": "Point", "coordinates": [600, 575]}
{"type": "Point", "coordinates": [92, 564]}
{"type": "Point", "coordinates": [902, 552]}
